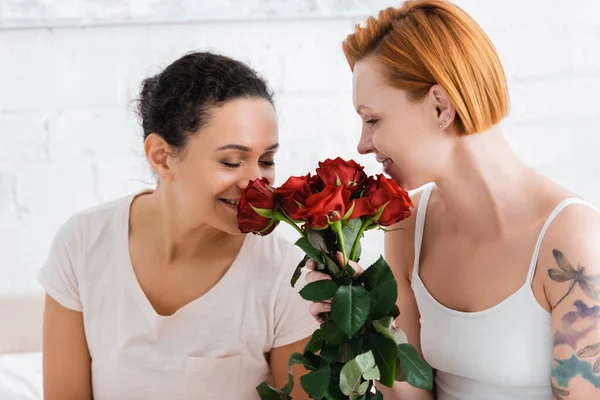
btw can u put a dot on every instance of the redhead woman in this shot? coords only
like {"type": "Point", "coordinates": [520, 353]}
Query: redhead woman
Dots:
{"type": "Point", "coordinates": [498, 269]}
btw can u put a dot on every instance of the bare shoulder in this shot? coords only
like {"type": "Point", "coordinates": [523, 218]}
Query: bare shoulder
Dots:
{"type": "Point", "coordinates": [399, 241]}
{"type": "Point", "coordinates": [571, 250]}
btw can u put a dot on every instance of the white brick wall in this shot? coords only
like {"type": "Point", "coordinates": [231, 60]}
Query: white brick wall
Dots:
{"type": "Point", "coordinates": [71, 140]}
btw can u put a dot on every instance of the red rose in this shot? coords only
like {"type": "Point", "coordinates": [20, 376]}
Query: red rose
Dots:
{"type": "Point", "coordinates": [258, 198]}
{"type": "Point", "coordinates": [379, 193]}
{"type": "Point", "coordinates": [294, 193]}
{"type": "Point", "coordinates": [327, 206]}
{"type": "Point", "coordinates": [347, 173]}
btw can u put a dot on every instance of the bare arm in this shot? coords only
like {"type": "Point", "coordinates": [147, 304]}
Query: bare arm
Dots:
{"type": "Point", "coordinates": [572, 284]}
{"type": "Point", "coordinates": [279, 358]}
{"type": "Point", "coordinates": [67, 362]}
{"type": "Point", "coordinates": [399, 254]}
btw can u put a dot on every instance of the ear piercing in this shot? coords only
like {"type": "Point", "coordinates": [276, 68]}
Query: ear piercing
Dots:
{"type": "Point", "coordinates": [444, 122]}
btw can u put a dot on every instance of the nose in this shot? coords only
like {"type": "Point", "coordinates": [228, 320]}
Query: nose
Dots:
{"type": "Point", "coordinates": [250, 173]}
{"type": "Point", "coordinates": [365, 144]}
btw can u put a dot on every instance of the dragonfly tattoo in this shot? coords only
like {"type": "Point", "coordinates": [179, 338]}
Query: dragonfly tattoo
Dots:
{"type": "Point", "coordinates": [590, 285]}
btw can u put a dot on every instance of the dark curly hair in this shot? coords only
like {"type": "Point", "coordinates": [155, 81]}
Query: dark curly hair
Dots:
{"type": "Point", "coordinates": [177, 102]}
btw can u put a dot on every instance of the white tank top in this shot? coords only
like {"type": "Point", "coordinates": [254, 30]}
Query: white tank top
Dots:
{"type": "Point", "coordinates": [502, 353]}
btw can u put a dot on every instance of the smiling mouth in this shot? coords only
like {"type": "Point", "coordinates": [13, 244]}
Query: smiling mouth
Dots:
{"type": "Point", "coordinates": [230, 202]}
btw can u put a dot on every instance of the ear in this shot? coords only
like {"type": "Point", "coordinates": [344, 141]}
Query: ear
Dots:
{"type": "Point", "coordinates": [158, 153]}
{"type": "Point", "coordinates": [443, 110]}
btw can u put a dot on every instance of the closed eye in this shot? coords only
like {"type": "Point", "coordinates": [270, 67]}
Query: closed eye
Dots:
{"type": "Point", "coordinates": [268, 164]}
{"type": "Point", "coordinates": [230, 165]}
{"type": "Point", "coordinates": [372, 122]}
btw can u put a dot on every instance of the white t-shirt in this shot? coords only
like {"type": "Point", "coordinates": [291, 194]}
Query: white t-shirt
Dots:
{"type": "Point", "coordinates": [212, 348]}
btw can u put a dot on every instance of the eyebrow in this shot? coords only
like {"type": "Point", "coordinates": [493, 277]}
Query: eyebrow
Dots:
{"type": "Point", "coordinates": [360, 108]}
{"type": "Point", "coordinates": [245, 148]}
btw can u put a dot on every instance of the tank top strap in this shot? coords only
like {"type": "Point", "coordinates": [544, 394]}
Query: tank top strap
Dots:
{"type": "Point", "coordinates": [420, 226]}
{"type": "Point", "coordinates": [561, 206]}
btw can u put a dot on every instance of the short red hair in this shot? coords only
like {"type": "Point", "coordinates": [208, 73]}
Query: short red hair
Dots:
{"type": "Point", "coordinates": [428, 42]}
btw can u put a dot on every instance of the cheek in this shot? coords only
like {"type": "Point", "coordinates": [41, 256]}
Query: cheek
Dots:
{"type": "Point", "coordinates": [386, 140]}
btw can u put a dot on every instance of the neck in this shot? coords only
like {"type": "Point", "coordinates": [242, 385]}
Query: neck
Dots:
{"type": "Point", "coordinates": [483, 185]}
{"type": "Point", "coordinates": [177, 238]}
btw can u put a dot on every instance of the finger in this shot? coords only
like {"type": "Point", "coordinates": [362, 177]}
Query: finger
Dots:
{"type": "Point", "coordinates": [310, 264]}
{"type": "Point", "coordinates": [314, 276]}
{"type": "Point", "coordinates": [339, 257]}
{"type": "Point", "coordinates": [357, 268]}
{"type": "Point", "coordinates": [317, 308]}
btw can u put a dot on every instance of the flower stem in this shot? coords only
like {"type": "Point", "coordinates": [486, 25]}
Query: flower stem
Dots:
{"type": "Point", "coordinates": [337, 228]}
{"type": "Point", "coordinates": [280, 215]}
{"type": "Point", "coordinates": [364, 226]}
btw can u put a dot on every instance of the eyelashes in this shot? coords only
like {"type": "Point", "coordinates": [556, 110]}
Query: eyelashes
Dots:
{"type": "Point", "coordinates": [267, 164]}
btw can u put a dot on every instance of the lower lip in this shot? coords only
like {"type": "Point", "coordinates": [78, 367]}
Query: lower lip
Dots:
{"type": "Point", "coordinates": [229, 205]}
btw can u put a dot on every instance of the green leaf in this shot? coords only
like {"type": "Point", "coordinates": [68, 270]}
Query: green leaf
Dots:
{"type": "Point", "coordinates": [267, 392]}
{"type": "Point", "coordinates": [333, 391]}
{"type": "Point", "coordinates": [319, 290]}
{"type": "Point", "coordinates": [383, 299]}
{"type": "Point", "coordinates": [332, 333]}
{"type": "Point", "coordinates": [330, 354]}
{"type": "Point", "coordinates": [295, 358]}
{"type": "Point", "coordinates": [350, 308]}
{"type": "Point", "coordinates": [312, 362]}
{"type": "Point", "coordinates": [352, 373]}
{"type": "Point", "coordinates": [263, 212]}
{"type": "Point", "coordinates": [351, 349]}
{"type": "Point", "coordinates": [372, 374]}
{"type": "Point", "coordinates": [315, 383]}
{"type": "Point", "coordinates": [360, 393]}
{"type": "Point", "coordinates": [395, 313]}
{"type": "Point", "coordinates": [350, 230]}
{"type": "Point", "coordinates": [316, 342]}
{"type": "Point", "coordinates": [376, 274]}
{"type": "Point", "coordinates": [416, 371]}
{"type": "Point", "coordinates": [385, 354]}
{"type": "Point", "coordinates": [317, 238]}
{"type": "Point", "coordinates": [333, 268]}
{"type": "Point", "coordinates": [313, 253]}
{"type": "Point", "coordinates": [298, 271]}
{"type": "Point", "coordinates": [350, 378]}
{"type": "Point", "coordinates": [384, 326]}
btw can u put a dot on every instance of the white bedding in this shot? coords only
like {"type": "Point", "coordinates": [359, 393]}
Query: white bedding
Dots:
{"type": "Point", "coordinates": [21, 376]}
{"type": "Point", "coordinates": [20, 347]}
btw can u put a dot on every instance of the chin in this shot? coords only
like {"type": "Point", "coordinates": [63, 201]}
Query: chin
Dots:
{"type": "Point", "coordinates": [406, 183]}
{"type": "Point", "coordinates": [230, 228]}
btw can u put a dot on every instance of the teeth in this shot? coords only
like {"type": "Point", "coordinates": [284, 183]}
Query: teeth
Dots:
{"type": "Point", "coordinates": [232, 202]}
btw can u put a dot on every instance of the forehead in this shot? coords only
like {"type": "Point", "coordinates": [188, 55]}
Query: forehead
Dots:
{"type": "Point", "coordinates": [367, 79]}
{"type": "Point", "coordinates": [248, 122]}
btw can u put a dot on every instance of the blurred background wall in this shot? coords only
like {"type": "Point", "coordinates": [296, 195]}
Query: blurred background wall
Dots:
{"type": "Point", "coordinates": [70, 71]}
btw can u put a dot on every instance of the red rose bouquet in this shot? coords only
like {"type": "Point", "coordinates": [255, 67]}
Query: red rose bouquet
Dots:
{"type": "Point", "coordinates": [355, 345]}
